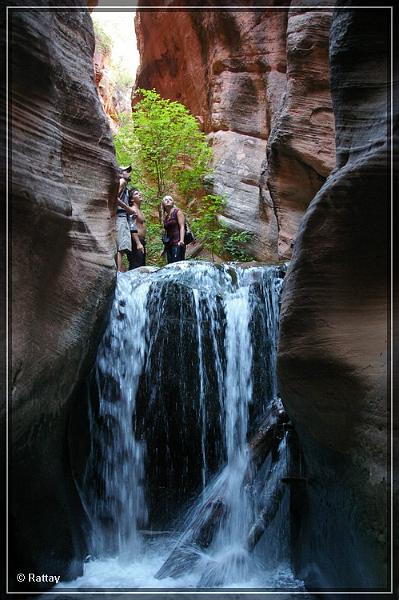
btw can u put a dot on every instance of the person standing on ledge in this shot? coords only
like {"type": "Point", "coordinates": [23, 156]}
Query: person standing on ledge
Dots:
{"type": "Point", "coordinates": [124, 212]}
{"type": "Point", "coordinates": [173, 238]}
{"type": "Point", "coordinates": [137, 256]}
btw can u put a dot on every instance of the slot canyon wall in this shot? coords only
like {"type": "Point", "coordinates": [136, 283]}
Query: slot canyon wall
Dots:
{"type": "Point", "coordinates": [114, 97]}
{"type": "Point", "coordinates": [63, 185]}
{"type": "Point", "coordinates": [258, 81]}
{"type": "Point", "coordinates": [269, 115]}
{"type": "Point", "coordinates": [334, 335]}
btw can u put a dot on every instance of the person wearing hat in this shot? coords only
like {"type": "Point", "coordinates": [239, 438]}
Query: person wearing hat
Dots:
{"type": "Point", "coordinates": [124, 212]}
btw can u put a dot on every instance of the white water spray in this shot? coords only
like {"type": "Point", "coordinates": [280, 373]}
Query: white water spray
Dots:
{"type": "Point", "coordinates": [225, 303]}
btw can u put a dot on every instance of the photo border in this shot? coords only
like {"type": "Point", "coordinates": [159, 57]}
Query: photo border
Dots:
{"type": "Point", "coordinates": [390, 320]}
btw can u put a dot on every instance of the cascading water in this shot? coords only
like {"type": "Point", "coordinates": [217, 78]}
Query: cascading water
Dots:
{"type": "Point", "coordinates": [231, 535]}
{"type": "Point", "coordinates": [186, 375]}
{"type": "Point", "coordinates": [115, 468]}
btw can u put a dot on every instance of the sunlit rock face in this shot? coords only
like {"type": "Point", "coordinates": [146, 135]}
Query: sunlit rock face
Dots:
{"type": "Point", "coordinates": [63, 185]}
{"type": "Point", "coordinates": [114, 98]}
{"type": "Point", "coordinates": [333, 361]}
{"type": "Point", "coordinates": [101, 64]}
{"type": "Point", "coordinates": [258, 80]}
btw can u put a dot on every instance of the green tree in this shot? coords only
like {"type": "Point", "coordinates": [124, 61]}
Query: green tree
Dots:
{"type": "Point", "coordinates": [169, 153]}
{"type": "Point", "coordinates": [173, 152]}
{"type": "Point", "coordinates": [127, 145]}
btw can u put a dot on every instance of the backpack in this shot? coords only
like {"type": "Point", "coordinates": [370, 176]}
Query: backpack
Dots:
{"type": "Point", "coordinates": [188, 234]}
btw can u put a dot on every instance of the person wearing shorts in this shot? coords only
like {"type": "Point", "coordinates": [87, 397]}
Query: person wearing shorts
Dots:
{"type": "Point", "coordinates": [124, 234]}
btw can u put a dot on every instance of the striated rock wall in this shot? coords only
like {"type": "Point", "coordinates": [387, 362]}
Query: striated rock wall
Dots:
{"type": "Point", "coordinates": [62, 192]}
{"type": "Point", "coordinates": [333, 350]}
{"type": "Point", "coordinates": [258, 80]}
{"type": "Point", "coordinates": [301, 149]}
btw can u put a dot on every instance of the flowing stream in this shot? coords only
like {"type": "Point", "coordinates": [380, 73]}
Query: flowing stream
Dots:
{"type": "Point", "coordinates": [185, 379]}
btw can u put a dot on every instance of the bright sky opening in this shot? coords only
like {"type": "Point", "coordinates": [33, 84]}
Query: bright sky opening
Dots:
{"type": "Point", "coordinates": [120, 27]}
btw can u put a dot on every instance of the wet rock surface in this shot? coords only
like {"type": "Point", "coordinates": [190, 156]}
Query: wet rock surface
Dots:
{"type": "Point", "coordinates": [62, 190]}
{"type": "Point", "coordinates": [333, 354]}
{"type": "Point", "coordinates": [258, 80]}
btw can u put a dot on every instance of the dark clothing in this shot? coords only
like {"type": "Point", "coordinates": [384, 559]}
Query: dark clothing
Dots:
{"type": "Point", "coordinates": [175, 253]}
{"type": "Point", "coordinates": [172, 228]}
{"type": "Point", "coordinates": [124, 196]}
{"type": "Point", "coordinates": [132, 220]}
{"type": "Point", "coordinates": [120, 211]}
{"type": "Point", "coordinates": [135, 257]}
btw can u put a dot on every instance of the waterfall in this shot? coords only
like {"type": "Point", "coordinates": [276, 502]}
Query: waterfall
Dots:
{"type": "Point", "coordinates": [231, 491]}
{"type": "Point", "coordinates": [116, 462]}
{"type": "Point", "coordinates": [185, 377]}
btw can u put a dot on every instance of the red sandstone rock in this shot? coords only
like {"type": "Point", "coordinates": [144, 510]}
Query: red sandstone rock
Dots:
{"type": "Point", "coordinates": [231, 68]}
{"type": "Point", "coordinates": [301, 146]}
{"type": "Point", "coordinates": [171, 58]}
{"type": "Point", "coordinates": [105, 86]}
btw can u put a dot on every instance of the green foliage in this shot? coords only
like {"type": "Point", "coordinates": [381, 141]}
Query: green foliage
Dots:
{"type": "Point", "coordinates": [154, 244]}
{"type": "Point", "coordinates": [165, 145]}
{"type": "Point", "coordinates": [127, 145]}
{"type": "Point", "coordinates": [150, 208]}
{"type": "Point", "coordinates": [103, 40]}
{"type": "Point", "coordinates": [205, 225]}
{"type": "Point", "coordinates": [125, 261]}
{"type": "Point", "coordinates": [235, 243]}
{"type": "Point", "coordinates": [169, 153]}
{"type": "Point", "coordinates": [173, 153]}
{"type": "Point", "coordinates": [216, 237]}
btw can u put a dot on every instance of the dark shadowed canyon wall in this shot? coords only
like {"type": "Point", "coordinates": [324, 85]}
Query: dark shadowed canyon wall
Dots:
{"type": "Point", "coordinates": [258, 80]}
{"type": "Point", "coordinates": [334, 336]}
{"type": "Point", "coordinates": [63, 185]}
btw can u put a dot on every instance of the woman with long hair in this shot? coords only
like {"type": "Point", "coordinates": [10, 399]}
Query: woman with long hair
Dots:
{"type": "Point", "coordinates": [173, 222]}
